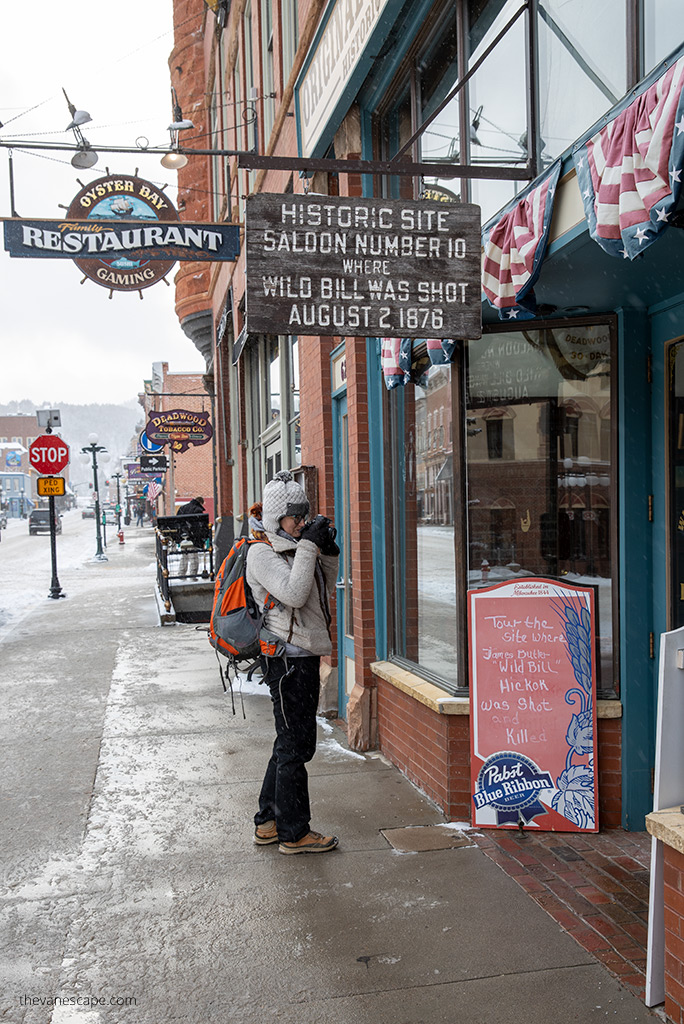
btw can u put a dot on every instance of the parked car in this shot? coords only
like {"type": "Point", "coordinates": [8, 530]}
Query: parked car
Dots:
{"type": "Point", "coordinates": [39, 521]}
{"type": "Point", "coordinates": [111, 517]}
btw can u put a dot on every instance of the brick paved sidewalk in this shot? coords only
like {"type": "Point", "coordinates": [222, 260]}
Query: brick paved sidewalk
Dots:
{"type": "Point", "coordinates": [594, 886]}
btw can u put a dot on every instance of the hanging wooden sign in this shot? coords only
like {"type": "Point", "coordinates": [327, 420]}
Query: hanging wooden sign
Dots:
{"type": "Point", "coordinates": [533, 706]}
{"type": "Point", "coordinates": [325, 265]}
{"type": "Point", "coordinates": [179, 428]}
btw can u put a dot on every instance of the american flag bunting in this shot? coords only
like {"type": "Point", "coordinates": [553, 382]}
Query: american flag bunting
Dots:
{"type": "Point", "coordinates": [629, 171]}
{"type": "Point", "coordinates": [514, 248]}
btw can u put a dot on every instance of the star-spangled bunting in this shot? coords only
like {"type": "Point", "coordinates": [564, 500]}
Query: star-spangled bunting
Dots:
{"type": "Point", "coordinates": [396, 358]}
{"type": "Point", "coordinates": [514, 248]}
{"type": "Point", "coordinates": [629, 172]}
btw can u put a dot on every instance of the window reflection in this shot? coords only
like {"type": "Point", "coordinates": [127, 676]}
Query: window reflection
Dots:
{"type": "Point", "coordinates": [538, 409]}
{"type": "Point", "coordinates": [424, 564]}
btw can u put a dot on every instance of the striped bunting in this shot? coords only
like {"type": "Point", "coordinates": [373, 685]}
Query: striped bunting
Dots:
{"type": "Point", "coordinates": [629, 172]}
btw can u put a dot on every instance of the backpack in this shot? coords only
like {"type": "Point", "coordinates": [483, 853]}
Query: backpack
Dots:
{"type": "Point", "coordinates": [236, 627]}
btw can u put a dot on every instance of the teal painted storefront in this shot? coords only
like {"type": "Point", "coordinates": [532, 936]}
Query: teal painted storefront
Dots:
{"type": "Point", "coordinates": [645, 301]}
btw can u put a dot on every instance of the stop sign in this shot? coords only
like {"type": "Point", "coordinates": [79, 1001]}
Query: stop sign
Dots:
{"type": "Point", "coordinates": [49, 454]}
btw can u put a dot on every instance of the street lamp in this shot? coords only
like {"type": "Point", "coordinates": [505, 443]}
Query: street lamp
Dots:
{"type": "Point", "coordinates": [87, 453]}
{"type": "Point", "coordinates": [117, 477]}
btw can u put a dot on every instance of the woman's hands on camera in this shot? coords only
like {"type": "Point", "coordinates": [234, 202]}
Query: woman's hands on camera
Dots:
{"type": "Point", "coordinates": [320, 532]}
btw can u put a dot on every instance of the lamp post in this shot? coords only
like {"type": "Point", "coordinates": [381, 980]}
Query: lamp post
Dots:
{"type": "Point", "coordinates": [117, 477]}
{"type": "Point", "coordinates": [90, 452]}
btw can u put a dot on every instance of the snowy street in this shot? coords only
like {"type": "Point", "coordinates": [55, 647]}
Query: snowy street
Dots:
{"type": "Point", "coordinates": [26, 567]}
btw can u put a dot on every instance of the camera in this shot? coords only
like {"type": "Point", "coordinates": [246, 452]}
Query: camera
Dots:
{"type": "Point", "coordinates": [322, 533]}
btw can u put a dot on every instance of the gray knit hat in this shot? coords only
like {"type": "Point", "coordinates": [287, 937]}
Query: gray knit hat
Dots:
{"type": "Point", "coordinates": [282, 497]}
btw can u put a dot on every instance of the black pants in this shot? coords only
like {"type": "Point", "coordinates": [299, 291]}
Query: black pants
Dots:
{"type": "Point", "coordinates": [284, 793]}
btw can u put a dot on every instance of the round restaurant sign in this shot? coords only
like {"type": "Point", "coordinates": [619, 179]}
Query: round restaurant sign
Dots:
{"type": "Point", "coordinates": [123, 197]}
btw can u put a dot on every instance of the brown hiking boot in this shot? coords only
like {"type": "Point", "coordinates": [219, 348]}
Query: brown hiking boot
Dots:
{"type": "Point", "coordinates": [266, 833]}
{"type": "Point", "coordinates": [312, 842]}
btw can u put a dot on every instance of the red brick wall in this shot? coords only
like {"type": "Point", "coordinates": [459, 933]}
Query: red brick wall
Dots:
{"type": "Point", "coordinates": [363, 600]}
{"type": "Point", "coordinates": [610, 772]}
{"type": "Point", "coordinates": [673, 871]}
{"type": "Point", "coordinates": [224, 442]}
{"type": "Point", "coordinates": [316, 416]}
{"type": "Point", "coordinates": [433, 751]}
{"type": "Point", "coordinates": [187, 71]}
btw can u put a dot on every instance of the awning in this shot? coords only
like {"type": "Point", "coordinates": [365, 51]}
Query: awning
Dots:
{"type": "Point", "coordinates": [514, 246]}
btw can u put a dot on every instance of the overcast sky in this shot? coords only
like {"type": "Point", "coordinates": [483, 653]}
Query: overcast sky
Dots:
{"type": "Point", "coordinates": [61, 340]}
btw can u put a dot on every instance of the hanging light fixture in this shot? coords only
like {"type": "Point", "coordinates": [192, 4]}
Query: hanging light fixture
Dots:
{"type": "Point", "coordinates": [86, 156]}
{"type": "Point", "coordinates": [174, 159]}
{"type": "Point", "coordinates": [221, 8]}
{"type": "Point", "coordinates": [78, 117]}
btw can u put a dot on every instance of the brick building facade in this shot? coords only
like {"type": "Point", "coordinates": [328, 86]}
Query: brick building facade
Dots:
{"type": "Point", "coordinates": [17, 479]}
{"type": "Point", "coordinates": [547, 448]}
{"type": "Point", "coordinates": [190, 473]}
{"type": "Point", "coordinates": [515, 455]}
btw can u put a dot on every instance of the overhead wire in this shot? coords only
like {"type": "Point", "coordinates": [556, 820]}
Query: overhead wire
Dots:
{"type": "Point", "coordinates": [117, 60]}
{"type": "Point", "coordinates": [160, 184]}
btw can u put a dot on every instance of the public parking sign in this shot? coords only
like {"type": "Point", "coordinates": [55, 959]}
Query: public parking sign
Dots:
{"type": "Point", "coordinates": [49, 454]}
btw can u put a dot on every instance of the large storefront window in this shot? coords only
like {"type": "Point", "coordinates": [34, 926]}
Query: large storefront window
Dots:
{"type": "Point", "coordinates": [578, 57]}
{"type": "Point", "coordinates": [539, 463]}
{"type": "Point", "coordinates": [663, 29]}
{"type": "Point", "coordinates": [582, 73]}
{"type": "Point", "coordinates": [530, 431]}
{"type": "Point", "coordinates": [426, 527]}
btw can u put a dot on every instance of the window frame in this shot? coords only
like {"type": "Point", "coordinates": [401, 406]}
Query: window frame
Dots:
{"type": "Point", "coordinates": [612, 691]}
{"type": "Point", "coordinates": [394, 531]}
{"type": "Point", "coordinates": [609, 689]}
{"type": "Point", "coordinates": [268, 438]}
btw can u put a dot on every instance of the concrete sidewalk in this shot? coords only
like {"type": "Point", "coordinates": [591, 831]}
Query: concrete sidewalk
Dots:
{"type": "Point", "coordinates": [129, 875]}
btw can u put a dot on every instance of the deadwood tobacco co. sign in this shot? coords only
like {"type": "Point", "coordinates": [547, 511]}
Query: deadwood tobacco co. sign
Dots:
{"type": "Point", "coordinates": [123, 233]}
{"type": "Point", "coordinates": [179, 428]}
{"type": "Point", "coordinates": [328, 266]}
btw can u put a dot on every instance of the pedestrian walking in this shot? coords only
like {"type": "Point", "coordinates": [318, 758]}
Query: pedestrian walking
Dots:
{"type": "Point", "coordinates": [189, 560]}
{"type": "Point", "coordinates": [297, 566]}
{"type": "Point", "coordinates": [139, 515]}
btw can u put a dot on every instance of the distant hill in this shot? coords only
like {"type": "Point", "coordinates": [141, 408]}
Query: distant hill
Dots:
{"type": "Point", "coordinates": [117, 428]}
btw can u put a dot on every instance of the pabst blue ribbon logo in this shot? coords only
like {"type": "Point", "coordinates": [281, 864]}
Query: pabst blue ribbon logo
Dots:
{"type": "Point", "coordinates": [510, 783]}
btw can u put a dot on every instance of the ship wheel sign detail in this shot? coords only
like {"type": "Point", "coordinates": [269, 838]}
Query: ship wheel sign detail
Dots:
{"type": "Point", "coordinates": [123, 198]}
